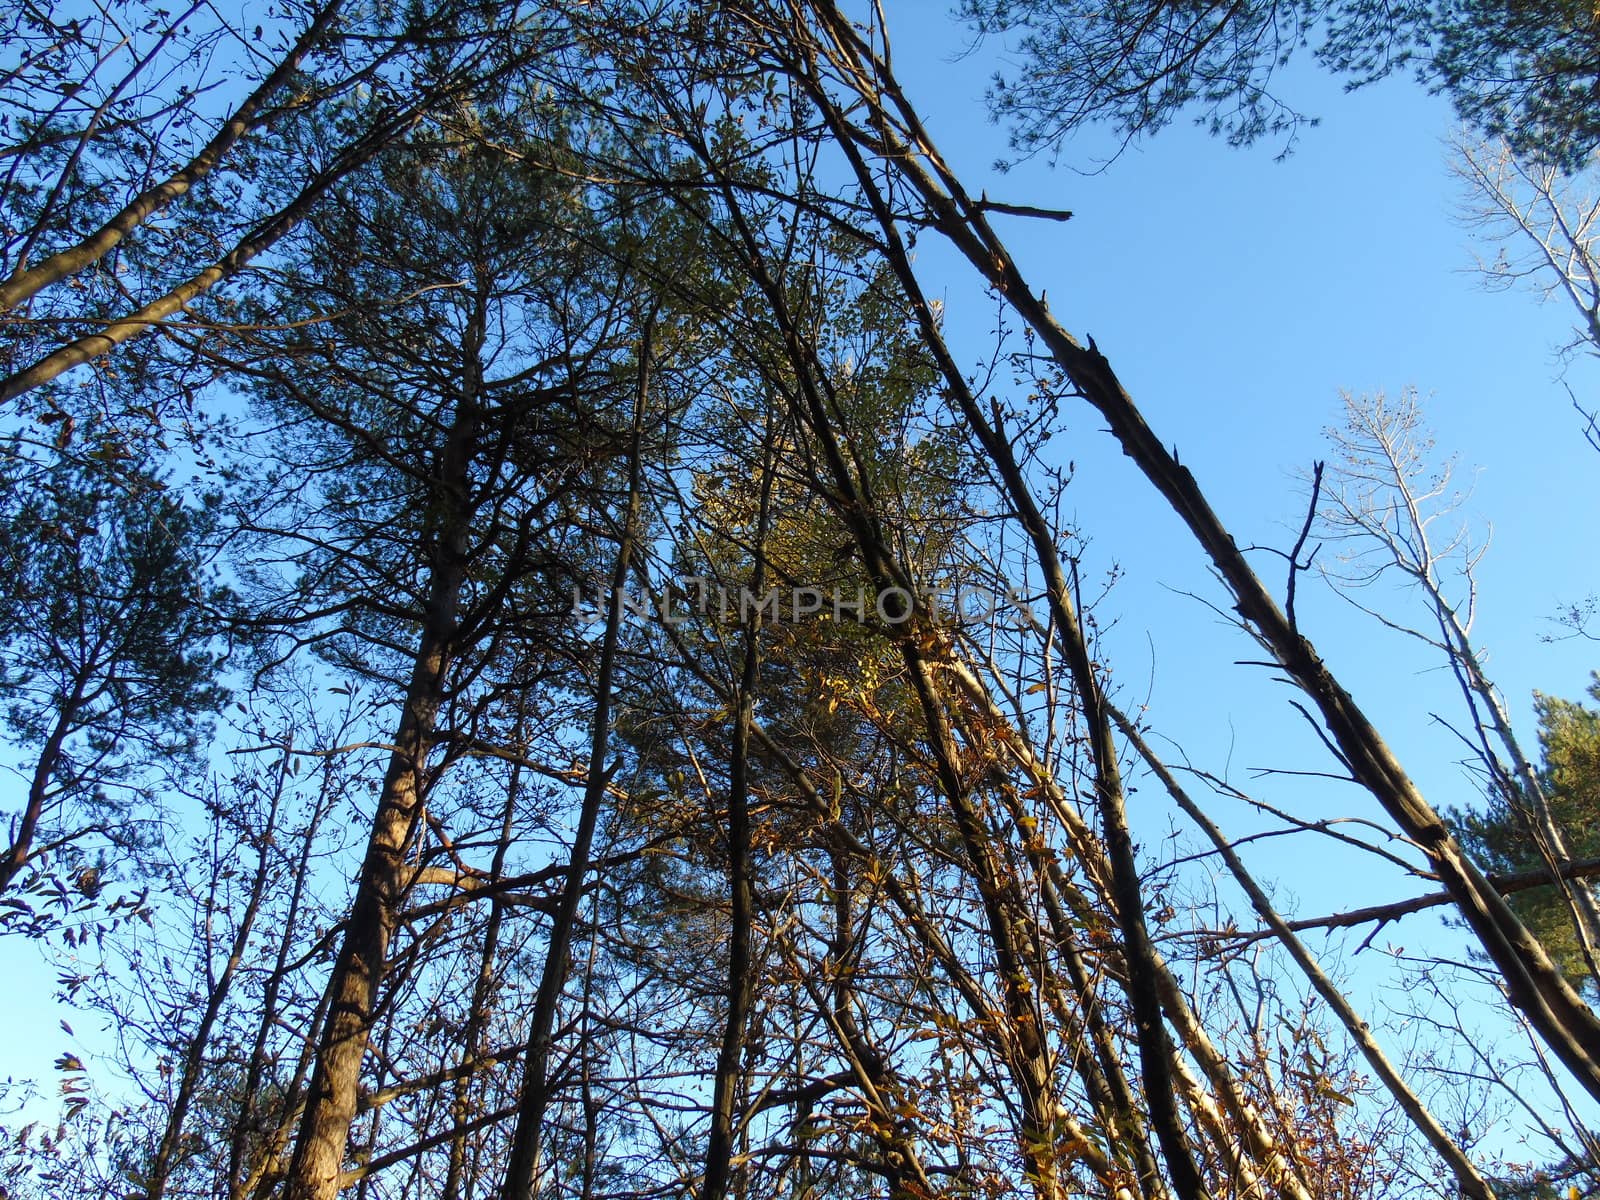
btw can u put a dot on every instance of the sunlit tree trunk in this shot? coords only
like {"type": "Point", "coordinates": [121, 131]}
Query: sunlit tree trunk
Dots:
{"type": "Point", "coordinates": [330, 1107]}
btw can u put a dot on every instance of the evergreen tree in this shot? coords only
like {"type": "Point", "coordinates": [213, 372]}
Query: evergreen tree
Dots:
{"type": "Point", "coordinates": [1500, 839]}
{"type": "Point", "coordinates": [1527, 72]}
{"type": "Point", "coordinates": [108, 614]}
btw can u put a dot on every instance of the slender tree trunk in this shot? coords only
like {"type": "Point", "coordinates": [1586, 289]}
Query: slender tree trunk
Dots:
{"type": "Point", "coordinates": [318, 1161]}
{"type": "Point", "coordinates": [1524, 789]}
{"type": "Point", "coordinates": [1025, 1051]}
{"type": "Point", "coordinates": [1151, 1037]}
{"type": "Point", "coordinates": [17, 854]}
{"type": "Point", "coordinates": [1241, 1118]}
{"type": "Point", "coordinates": [522, 1164]}
{"type": "Point", "coordinates": [1082, 1014]}
{"type": "Point", "coordinates": [1468, 1179]}
{"type": "Point", "coordinates": [270, 1167]}
{"type": "Point", "coordinates": [482, 990]}
{"type": "Point", "coordinates": [194, 1056]}
{"type": "Point", "coordinates": [586, 1089]}
{"type": "Point", "coordinates": [249, 1104]}
{"type": "Point", "coordinates": [741, 986]}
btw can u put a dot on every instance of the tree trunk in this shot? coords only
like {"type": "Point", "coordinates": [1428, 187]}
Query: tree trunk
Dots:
{"type": "Point", "coordinates": [522, 1164]}
{"type": "Point", "coordinates": [194, 1056]}
{"type": "Point", "coordinates": [479, 1011]}
{"type": "Point", "coordinates": [239, 1142]}
{"type": "Point", "coordinates": [1469, 1180]}
{"type": "Point", "coordinates": [21, 849]}
{"type": "Point", "coordinates": [319, 1152]}
{"type": "Point", "coordinates": [741, 987]}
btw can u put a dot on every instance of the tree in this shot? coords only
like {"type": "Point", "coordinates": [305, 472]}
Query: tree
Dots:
{"type": "Point", "coordinates": [1501, 838]}
{"type": "Point", "coordinates": [1526, 72]}
{"type": "Point", "coordinates": [1544, 225]}
{"type": "Point", "coordinates": [110, 620]}
{"type": "Point", "coordinates": [773, 903]}
{"type": "Point", "coordinates": [90, 174]}
{"type": "Point", "coordinates": [1390, 511]}
{"type": "Point", "coordinates": [446, 448]}
{"type": "Point", "coordinates": [967, 820]}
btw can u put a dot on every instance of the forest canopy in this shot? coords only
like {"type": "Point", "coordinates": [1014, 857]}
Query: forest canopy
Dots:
{"type": "Point", "coordinates": [550, 645]}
